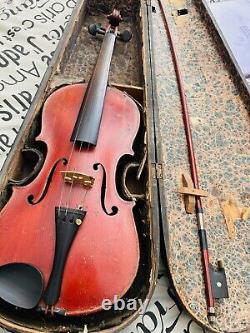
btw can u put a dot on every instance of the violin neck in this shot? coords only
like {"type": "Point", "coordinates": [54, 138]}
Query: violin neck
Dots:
{"type": "Point", "coordinates": [89, 118]}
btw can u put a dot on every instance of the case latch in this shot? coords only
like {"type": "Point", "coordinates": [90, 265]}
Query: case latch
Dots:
{"type": "Point", "coordinates": [157, 171]}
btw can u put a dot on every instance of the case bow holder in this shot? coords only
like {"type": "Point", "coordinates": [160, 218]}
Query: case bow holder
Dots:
{"type": "Point", "coordinates": [190, 192]}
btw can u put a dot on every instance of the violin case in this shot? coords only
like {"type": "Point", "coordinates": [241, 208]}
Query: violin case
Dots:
{"type": "Point", "coordinates": [73, 62]}
{"type": "Point", "coordinates": [219, 105]}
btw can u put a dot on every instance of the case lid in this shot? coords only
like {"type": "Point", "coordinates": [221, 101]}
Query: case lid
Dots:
{"type": "Point", "coordinates": [218, 104]}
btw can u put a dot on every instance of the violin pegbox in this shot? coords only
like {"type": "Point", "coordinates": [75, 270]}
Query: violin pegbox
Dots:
{"type": "Point", "coordinates": [114, 20]}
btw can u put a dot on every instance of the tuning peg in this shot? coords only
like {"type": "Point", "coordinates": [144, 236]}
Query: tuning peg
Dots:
{"type": "Point", "coordinates": [95, 29]}
{"type": "Point", "coordinates": [125, 36]}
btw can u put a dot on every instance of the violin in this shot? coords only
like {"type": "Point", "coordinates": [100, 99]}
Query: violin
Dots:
{"type": "Point", "coordinates": [70, 223]}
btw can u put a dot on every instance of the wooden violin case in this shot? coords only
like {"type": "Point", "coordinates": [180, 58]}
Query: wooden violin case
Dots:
{"type": "Point", "coordinates": [130, 72]}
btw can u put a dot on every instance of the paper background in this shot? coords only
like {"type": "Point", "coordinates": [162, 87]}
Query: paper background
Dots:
{"type": "Point", "coordinates": [233, 18]}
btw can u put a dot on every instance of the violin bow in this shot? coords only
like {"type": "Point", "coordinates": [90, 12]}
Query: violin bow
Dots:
{"type": "Point", "coordinates": [214, 280]}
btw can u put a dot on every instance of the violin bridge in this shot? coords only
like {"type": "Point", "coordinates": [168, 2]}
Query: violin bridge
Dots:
{"type": "Point", "coordinates": [77, 178]}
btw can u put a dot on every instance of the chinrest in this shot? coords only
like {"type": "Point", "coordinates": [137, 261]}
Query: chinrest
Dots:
{"type": "Point", "coordinates": [21, 285]}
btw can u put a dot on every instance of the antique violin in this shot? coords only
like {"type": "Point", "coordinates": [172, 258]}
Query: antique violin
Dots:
{"type": "Point", "coordinates": [69, 225]}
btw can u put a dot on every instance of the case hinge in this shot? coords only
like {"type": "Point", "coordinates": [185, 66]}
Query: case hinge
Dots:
{"type": "Point", "coordinates": [157, 170]}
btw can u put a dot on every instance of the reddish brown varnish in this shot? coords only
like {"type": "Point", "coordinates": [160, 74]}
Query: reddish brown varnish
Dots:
{"type": "Point", "coordinates": [104, 256]}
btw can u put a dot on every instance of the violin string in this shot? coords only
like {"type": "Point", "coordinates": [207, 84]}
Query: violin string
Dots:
{"type": "Point", "coordinates": [70, 158]}
{"type": "Point", "coordinates": [82, 119]}
{"type": "Point", "coordinates": [84, 198]}
{"type": "Point", "coordinates": [68, 200]}
{"type": "Point", "coordinates": [69, 197]}
{"type": "Point", "coordinates": [64, 188]}
{"type": "Point", "coordinates": [86, 190]}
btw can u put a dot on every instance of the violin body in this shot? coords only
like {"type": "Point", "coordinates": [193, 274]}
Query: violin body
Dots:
{"type": "Point", "coordinates": [103, 259]}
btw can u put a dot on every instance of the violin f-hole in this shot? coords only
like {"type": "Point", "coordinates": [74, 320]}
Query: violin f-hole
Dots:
{"type": "Point", "coordinates": [114, 209]}
{"type": "Point", "coordinates": [31, 198]}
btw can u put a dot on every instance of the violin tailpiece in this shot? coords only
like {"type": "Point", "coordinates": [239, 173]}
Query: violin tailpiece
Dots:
{"type": "Point", "coordinates": [68, 222]}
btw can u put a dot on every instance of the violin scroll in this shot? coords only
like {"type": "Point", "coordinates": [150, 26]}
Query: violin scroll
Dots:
{"type": "Point", "coordinates": [114, 18]}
